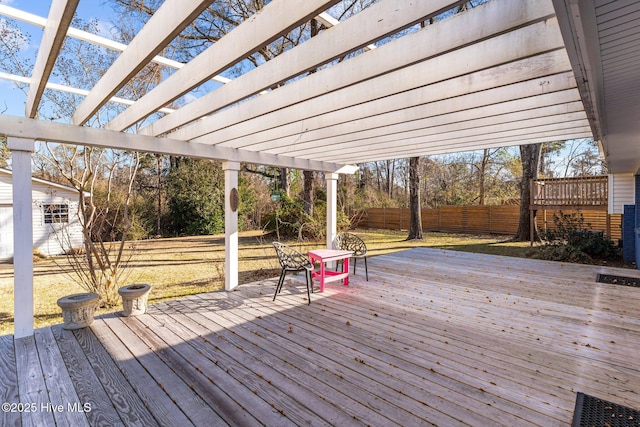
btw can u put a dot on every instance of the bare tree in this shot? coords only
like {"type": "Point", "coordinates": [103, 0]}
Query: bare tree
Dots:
{"type": "Point", "coordinates": [104, 181]}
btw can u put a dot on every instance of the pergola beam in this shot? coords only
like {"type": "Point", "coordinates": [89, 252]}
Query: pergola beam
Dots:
{"type": "Point", "coordinates": [559, 135]}
{"type": "Point", "coordinates": [67, 89]}
{"type": "Point", "coordinates": [95, 39]}
{"type": "Point", "coordinates": [168, 21]}
{"type": "Point", "coordinates": [60, 16]}
{"type": "Point", "coordinates": [501, 139]}
{"type": "Point", "coordinates": [549, 71]}
{"type": "Point", "coordinates": [275, 19]}
{"type": "Point", "coordinates": [364, 28]}
{"type": "Point", "coordinates": [372, 119]}
{"type": "Point", "coordinates": [374, 75]}
{"type": "Point", "coordinates": [477, 135]}
{"type": "Point", "coordinates": [446, 125]}
{"type": "Point", "coordinates": [81, 135]}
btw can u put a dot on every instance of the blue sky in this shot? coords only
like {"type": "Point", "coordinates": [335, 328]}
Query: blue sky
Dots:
{"type": "Point", "coordinates": [12, 98]}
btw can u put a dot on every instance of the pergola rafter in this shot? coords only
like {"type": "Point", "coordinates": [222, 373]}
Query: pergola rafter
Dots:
{"type": "Point", "coordinates": [424, 117]}
{"type": "Point", "coordinates": [363, 29]}
{"type": "Point", "coordinates": [170, 19]}
{"type": "Point", "coordinates": [394, 68]}
{"type": "Point", "coordinates": [370, 118]}
{"type": "Point", "coordinates": [449, 132]}
{"type": "Point", "coordinates": [59, 20]}
{"type": "Point", "coordinates": [276, 19]}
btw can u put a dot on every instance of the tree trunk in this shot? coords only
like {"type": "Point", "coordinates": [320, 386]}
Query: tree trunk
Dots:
{"type": "Point", "coordinates": [530, 155]}
{"type": "Point", "coordinates": [284, 180]}
{"type": "Point", "coordinates": [481, 176]}
{"type": "Point", "coordinates": [307, 193]}
{"type": "Point", "coordinates": [415, 216]}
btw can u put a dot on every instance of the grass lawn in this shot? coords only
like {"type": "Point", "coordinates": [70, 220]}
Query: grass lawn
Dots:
{"type": "Point", "coordinates": [183, 266]}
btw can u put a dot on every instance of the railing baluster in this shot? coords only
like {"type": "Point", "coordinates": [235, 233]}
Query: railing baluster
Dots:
{"type": "Point", "coordinates": [576, 191]}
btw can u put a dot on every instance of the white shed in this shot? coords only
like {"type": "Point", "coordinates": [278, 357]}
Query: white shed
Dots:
{"type": "Point", "coordinates": [54, 214]}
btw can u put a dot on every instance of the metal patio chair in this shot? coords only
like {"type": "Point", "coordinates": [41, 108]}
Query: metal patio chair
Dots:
{"type": "Point", "coordinates": [351, 242]}
{"type": "Point", "coordinates": [292, 260]}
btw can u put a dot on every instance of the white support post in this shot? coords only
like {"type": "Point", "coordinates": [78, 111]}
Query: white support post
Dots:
{"type": "Point", "coordinates": [21, 150]}
{"type": "Point", "coordinates": [332, 210]}
{"type": "Point", "coordinates": [231, 203]}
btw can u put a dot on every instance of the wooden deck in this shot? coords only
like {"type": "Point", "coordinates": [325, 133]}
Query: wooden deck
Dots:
{"type": "Point", "coordinates": [435, 337]}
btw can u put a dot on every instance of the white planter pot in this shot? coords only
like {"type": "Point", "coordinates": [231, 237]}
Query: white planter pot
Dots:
{"type": "Point", "coordinates": [78, 310]}
{"type": "Point", "coordinates": [134, 299]}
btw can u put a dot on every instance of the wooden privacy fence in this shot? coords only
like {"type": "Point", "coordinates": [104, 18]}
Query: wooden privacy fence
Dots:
{"type": "Point", "coordinates": [481, 219]}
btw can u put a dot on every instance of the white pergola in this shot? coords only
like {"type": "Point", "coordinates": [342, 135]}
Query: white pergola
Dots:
{"type": "Point", "coordinates": [500, 74]}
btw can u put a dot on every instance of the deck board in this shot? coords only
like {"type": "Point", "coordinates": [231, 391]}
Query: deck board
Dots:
{"type": "Point", "coordinates": [433, 338]}
{"type": "Point", "coordinates": [352, 379]}
{"type": "Point", "coordinates": [258, 372]}
{"type": "Point", "coordinates": [163, 408]}
{"type": "Point", "coordinates": [8, 381]}
{"type": "Point", "coordinates": [153, 357]}
{"type": "Point", "coordinates": [385, 349]}
{"type": "Point", "coordinates": [68, 410]}
{"type": "Point", "coordinates": [212, 382]}
{"type": "Point", "coordinates": [378, 366]}
{"type": "Point", "coordinates": [295, 375]}
{"type": "Point", "coordinates": [31, 385]}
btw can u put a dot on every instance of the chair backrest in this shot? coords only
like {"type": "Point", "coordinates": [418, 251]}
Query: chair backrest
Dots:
{"type": "Point", "coordinates": [351, 242]}
{"type": "Point", "coordinates": [290, 258]}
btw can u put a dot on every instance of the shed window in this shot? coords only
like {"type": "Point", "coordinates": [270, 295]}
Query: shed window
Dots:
{"type": "Point", "coordinates": [56, 214]}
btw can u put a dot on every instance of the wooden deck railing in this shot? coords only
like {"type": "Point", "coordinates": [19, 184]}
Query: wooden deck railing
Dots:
{"type": "Point", "coordinates": [584, 192]}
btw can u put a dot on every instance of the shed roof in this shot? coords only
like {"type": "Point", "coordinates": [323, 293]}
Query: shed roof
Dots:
{"type": "Point", "coordinates": [45, 182]}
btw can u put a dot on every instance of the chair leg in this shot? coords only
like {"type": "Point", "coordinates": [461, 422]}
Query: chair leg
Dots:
{"type": "Point", "coordinates": [354, 265]}
{"type": "Point", "coordinates": [280, 282]}
{"type": "Point", "coordinates": [309, 284]}
{"type": "Point", "coordinates": [366, 270]}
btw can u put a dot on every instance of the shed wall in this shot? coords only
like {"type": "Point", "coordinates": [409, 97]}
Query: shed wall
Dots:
{"type": "Point", "coordinates": [47, 238]}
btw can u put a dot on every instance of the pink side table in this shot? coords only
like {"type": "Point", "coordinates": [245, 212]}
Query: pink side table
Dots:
{"type": "Point", "coordinates": [326, 255]}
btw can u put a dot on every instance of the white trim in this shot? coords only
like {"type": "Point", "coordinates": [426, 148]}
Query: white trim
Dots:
{"type": "Point", "coordinates": [22, 237]}
{"type": "Point", "coordinates": [42, 130]}
{"type": "Point", "coordinates": [48, 183]}
{"type": "Point", "coordinates": [230, 226]}
{"type": "Point", "coordinates": [332, 208]}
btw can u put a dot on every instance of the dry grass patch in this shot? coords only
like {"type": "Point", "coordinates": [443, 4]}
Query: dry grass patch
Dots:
{"type": "Point", "coordinates": [182, 266]}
